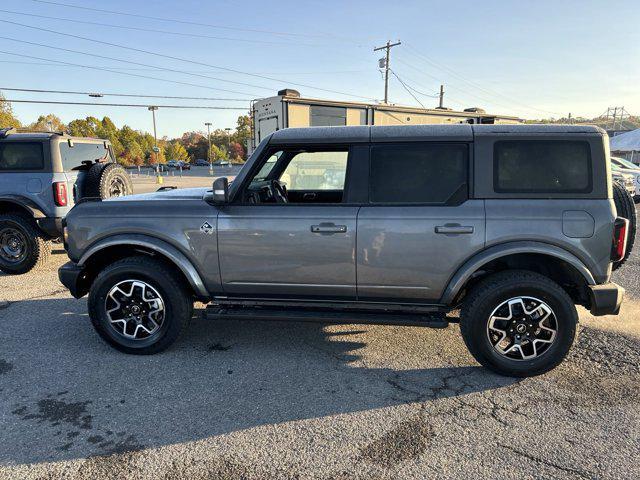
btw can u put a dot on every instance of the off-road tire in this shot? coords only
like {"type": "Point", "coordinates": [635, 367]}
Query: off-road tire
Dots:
{"type": "Point", "coordinates": [38, 247]}
{"type": "Point", "coordinates": [178, 303]}
{"type": "Point", "coordinates": [499, 287]}
{"type": "Point", "coordinates": [101, 178]}
{"type": "Point", "coordinates": [627, 209]}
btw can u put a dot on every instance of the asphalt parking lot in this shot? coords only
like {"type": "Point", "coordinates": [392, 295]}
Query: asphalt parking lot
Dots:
{"type": "Point", "coordinates": [146, 180]}
{"type": "Point", "coordinates": [260, 400]}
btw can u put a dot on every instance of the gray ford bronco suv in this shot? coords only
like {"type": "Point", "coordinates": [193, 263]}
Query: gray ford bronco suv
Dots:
{"type": "Point", "coordinates": [42, 175]}
{"type": "Point", "coordinates": [513, 224]}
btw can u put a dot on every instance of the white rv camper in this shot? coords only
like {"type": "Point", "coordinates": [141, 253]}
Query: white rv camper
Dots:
{"type": "Point", "coordinates": [289, 109]}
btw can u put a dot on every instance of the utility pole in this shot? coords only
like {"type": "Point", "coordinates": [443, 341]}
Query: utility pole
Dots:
{"type": "Point", "coordinates": [156, 150]}
{"type": "Point", "coordinates": [386, 47]}
{"type": "Point", "coordinates": [208, 124]}
{"type": "Point", "coordinates": [441, 103]}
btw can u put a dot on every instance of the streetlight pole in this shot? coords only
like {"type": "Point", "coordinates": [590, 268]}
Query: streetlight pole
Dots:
{"type": "Point", "coordinates": [228, 143]}
{"type": "Point", "coordinates": [208, 124]}
{"type": "Point", "coordinates": [156, 150]}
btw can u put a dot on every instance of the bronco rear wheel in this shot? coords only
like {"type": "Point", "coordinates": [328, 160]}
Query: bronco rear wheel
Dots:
{"type": "Point", "coordinates": [518, 323]}
{"type": "Point", "coordinates": [138, 306]}
{"type": "Point", "coordinates": [22, 245]}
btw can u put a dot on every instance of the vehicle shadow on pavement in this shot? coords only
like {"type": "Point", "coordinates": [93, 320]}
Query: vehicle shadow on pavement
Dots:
{"type": "Point", "coordinates": [65, 394]}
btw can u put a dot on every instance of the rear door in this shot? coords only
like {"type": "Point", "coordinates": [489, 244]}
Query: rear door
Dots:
{"type": "Point", "coordinates": [24, 171]}
{"type": "Point", "coordinates": [420, 224]}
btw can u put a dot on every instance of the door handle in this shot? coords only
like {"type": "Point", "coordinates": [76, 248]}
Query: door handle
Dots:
{"type": "Point", "coordinates": [454, 229]}
{"type": "Point", "coordinates": [309, 196]}
{"type": "Point", "coordinates": [328, 228]}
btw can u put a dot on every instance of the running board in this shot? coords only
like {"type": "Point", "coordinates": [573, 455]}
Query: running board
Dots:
{"type": "Point", "coordinates": [336, 306]}
{"type": "Point", "coordinates": [216, 312]}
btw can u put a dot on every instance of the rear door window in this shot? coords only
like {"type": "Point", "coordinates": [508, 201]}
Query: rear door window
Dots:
{"type": "Point", "coordinates": [536, 166]}
{"type": "Point", "coordinates": [21, 156]}
{"type": "Point", "coordinates": [73, 156]}
{"type": "Point", "coordinates": [421, 173]}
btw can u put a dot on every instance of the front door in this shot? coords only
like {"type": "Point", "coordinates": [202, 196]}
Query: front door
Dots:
{"type": "Point", "coordinates": [271, 245]}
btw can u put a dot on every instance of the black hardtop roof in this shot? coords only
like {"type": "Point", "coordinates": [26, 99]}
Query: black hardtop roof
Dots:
{"type": "Point", "coordinates": [387, 133]}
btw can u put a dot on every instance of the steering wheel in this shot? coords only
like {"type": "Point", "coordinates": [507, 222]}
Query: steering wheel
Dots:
{"type": "Point", "coordinates": [279, 191]}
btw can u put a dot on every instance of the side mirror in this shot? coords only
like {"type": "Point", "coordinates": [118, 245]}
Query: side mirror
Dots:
{"type": "Point", "coordinates": [220, 191]}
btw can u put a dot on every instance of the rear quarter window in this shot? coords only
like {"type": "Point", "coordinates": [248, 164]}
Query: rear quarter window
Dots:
{"type": "Point", "coordinates": [72, 157]}
{"type": "Point", "coordinates": [537, 166]}
{"type": "Point", "coordinates": [21, 156]}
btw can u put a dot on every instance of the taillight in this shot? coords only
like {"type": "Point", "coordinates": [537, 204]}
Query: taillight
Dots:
{"type": "Point", "coordinates": [60, 193]}
{"type": "Point", "coordinates": [620, 229]}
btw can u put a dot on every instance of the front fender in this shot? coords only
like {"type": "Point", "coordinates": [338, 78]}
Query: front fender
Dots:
{"type": "Point", "coordinates": [463, 274]}
{"type": "Point", "coordinates": [160, 246]}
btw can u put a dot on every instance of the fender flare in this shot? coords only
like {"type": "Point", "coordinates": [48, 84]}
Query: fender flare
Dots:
{"type": "Point", "coordinates": [463, 274]}
{"type": "Point", "coordinates": [162, 247]}
{"type": "Point", "coordinates": [25, 203]}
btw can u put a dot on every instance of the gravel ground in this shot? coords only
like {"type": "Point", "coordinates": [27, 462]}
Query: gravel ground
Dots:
{"type": "Point", "coordinates": [277, 400]}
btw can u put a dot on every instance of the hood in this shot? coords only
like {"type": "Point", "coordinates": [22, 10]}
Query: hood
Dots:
{"type": "Point", "coordinates": [173, 194]}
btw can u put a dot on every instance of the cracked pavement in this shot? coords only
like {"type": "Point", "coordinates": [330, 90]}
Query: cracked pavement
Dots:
{"type": "Point", "coordinates": [270, 400]}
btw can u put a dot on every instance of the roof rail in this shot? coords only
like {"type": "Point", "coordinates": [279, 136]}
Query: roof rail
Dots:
{"type": "Point", "coordinates": [33, 130]}
{"type": "Point", "coordinates": [6, 131]}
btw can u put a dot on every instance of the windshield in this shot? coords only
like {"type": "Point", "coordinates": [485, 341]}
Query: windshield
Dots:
{"type": "Point", "coordinates": [73, 156]}
{"type": "Point", "coordinates": [267, 167]}
{"type": "Point", "coordinates": [621, 162]}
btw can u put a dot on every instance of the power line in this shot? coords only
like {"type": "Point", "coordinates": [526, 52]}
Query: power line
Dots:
{"type": "Point", "coordinates": [67, 92]}
{"type": "Point", "coordinates": [468, 92]}
{"type": "Point", "coordinates": [151, 30]}
{"type": "Point", "coordinates": [417, 53]}
{"type": "Point", "coordinates": [125, 105]}
{"type": "Point", "coordinates": [173, 20]}
{"type": "Point", "coordinates": [407, 89]}
{"type": "Point", "coordinates": [177, 82]}
{"type": "Point", "coordinates": [318, 72]}
{"type": "Point", "coordinates": [173, 70]}
{"type": "Point", "coordinates": [171, 57]}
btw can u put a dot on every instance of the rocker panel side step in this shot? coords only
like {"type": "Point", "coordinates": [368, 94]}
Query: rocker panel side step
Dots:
{"type": "Point", "coordinates": [215, 312]}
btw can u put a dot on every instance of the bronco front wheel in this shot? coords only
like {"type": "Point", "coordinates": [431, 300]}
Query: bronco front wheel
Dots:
{"type": "Point", "coordinates": [138, 306]}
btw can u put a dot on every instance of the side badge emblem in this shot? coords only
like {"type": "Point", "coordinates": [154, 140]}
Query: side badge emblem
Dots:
{"type": "Point", "coordinates": [206, 228]}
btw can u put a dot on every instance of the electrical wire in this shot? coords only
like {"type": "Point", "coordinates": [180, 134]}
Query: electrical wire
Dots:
{"type": "Point", "coordinates": [137, 95]}
{"type": "Point", "coordinates": [319, 72]}
{"type": "Point", "coordinates": [407, 89]}
{"type": "Point", "coordinates": [418, 54]}
{"type": "Point", "coordinates": [125, 105]}
{"type": "Point", "coordinates": [177, 82]}
{"type": "Point", "coordinates": [166, 69]}
{"type": "Point", "coordinates": [166, 32]}
{"type": "Point", "coordinates": [174, 20]}
{"type": "Point", "coordinates": [171, 57]}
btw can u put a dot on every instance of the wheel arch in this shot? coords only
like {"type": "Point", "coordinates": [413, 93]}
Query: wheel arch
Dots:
{"type": "Point", "coordinates": [18, 203]}
{"type": "Point", "coordinates": [117, 247]}
{"type": "Point", "coordinates": [540, 257]}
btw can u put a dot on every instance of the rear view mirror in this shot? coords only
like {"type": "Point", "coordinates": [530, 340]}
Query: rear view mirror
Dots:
{"type": "Point", "coordinates": [220, 191]}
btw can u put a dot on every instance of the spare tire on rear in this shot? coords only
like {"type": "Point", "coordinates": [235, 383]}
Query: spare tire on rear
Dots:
{"type": "Point", "coordinates": [627, 209]}
{"type": "Point", "coordinates": [106, 180]}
